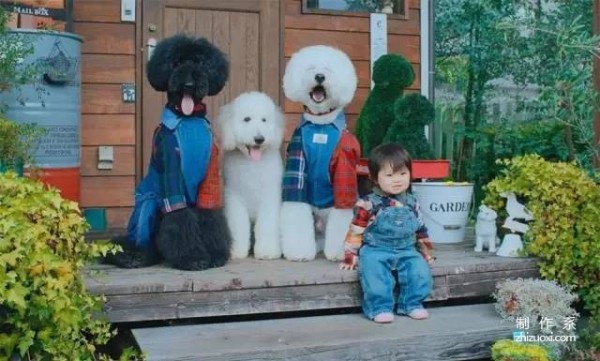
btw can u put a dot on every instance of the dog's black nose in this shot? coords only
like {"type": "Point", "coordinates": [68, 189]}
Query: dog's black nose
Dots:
{"type": "Point", "coordinates": [259, 139]}
{"type": "Point", "coordinates": [189, 86]}
{"type": "Point", "coordinates": [320, 78]}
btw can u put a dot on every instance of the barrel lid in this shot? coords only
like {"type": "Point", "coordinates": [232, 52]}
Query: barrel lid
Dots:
{"type": "Point", "coordinates": [47, 32]}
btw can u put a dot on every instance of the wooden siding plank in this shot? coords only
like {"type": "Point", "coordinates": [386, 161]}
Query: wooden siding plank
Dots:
{"type": "Point", "coordinates": [108, 11]}
{"type": "Point", "coordinates": [104, 68]}
{"type": "Point", "coordinates": [355, 45]}
{"type": "Point", "coordinates": [117, 217]}
{"type": "Point", "coordinates": [123, 164]}
{"type": "Point", "coordinates": [295, 19]}
{"type": "Point", "coordinates": [104, 99]}
{"type": "Point", "coordinates": [50, 4]}
{"type": "Point", "coordinates": [102, 38]}
{"type": "Point", "coordinates": [111, 129]}
{"type": "Point", "coordinates": [451, 334]}
{"type": "Point", "coordinates": [113, 191]}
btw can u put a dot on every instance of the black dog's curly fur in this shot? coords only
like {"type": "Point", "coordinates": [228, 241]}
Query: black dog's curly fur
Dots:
{"type": "Point", "coordinates": [189, 238]}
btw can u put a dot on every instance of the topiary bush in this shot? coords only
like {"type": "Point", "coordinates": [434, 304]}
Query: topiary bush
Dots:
{"type": "Point", "coordinates": [565, 232]}
{"type": "Point", "coordinates": [392, 73]}
{"type": "Point", "coordinates": [45, 311]}
{"type": "Point", "coordinates": [412, 113]}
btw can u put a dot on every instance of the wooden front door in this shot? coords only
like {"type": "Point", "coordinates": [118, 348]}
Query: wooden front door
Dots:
{"type": "Point", "coordinates": [246, 30]}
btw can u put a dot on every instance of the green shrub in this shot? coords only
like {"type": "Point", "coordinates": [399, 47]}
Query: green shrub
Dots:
{"type": "Point", "coordinates": [45, 311]}
{"type": "Point", "coordinates": [509, 350]}
{"type": "Point", "coordinates": [18, 143]}
{"type": "Point", "coordinates": [565, 232]}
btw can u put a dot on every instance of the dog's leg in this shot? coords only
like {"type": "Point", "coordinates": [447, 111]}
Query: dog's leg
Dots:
{"type": "Point", "coordinates": [338, 223]}
{"type": "Point", "coordinates": [478, 243]}
{"type": "Point", "coordinates": [238, 221]}
{"type": "Point", "coordinates": [491, 242]}
{"type": "Point", "coordinates": [297, 231]}
{"type": "Point", "coordinates": [266, 231]}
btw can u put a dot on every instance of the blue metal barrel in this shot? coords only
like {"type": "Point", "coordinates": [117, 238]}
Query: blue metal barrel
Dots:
{"type": "Point", "coordinates": [53, 101]}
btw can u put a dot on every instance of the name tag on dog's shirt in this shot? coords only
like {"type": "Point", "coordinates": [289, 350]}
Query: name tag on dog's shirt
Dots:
{"type": "Point", "coordinates": [320, 138]}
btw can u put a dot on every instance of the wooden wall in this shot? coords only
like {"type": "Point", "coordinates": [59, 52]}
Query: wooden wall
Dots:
{"type": "Point", "coordinates": [108, 60]}
{"type": "Point", "coordinates": [350, 34]}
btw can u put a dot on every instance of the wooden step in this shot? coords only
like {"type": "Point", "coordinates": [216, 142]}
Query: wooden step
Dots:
{"type": "Point", "coordinates": [251, 286]}
{"type": "Point", "coordinates": [451, 333]}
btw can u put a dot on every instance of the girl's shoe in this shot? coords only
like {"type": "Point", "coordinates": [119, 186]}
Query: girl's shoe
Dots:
{"type": "Point", "coordinates": [384, 317]}
{"type": "Point", "coordinates": [418, 314]}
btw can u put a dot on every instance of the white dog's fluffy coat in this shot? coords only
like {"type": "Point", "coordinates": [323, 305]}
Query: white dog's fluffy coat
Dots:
{"type": "Point", "coordinates": [251, 129]}
{"type": "Point", "coordinates": [323, 79]}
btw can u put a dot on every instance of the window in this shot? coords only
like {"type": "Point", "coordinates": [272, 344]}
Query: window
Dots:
{"type": "Point", "coordinates": [346, 7]}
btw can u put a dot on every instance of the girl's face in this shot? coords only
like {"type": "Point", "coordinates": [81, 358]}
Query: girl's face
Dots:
{"type": "Point", "coordinates": [393, 182]}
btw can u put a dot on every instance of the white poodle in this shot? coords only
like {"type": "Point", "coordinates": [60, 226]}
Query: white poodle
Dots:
{"type": "Point", "coordinates": [319, 186]}
{"type": "Point", "coordinates": [251, 129]}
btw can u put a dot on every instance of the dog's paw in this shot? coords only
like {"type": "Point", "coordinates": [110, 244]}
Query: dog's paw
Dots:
{"type": "Point", "coordinates": [266, 253]}
{"type": "Point", "coordinates": [239, 252]}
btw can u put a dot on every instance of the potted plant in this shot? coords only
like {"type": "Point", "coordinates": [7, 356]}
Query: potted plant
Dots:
{"type": "Point", "coordinates": [391, 116]}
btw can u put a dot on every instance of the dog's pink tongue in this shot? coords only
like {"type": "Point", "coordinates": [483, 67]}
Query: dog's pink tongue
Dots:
{"type": "Point", "coordinates": [187, 104]}
{"type": "Point", "coordinates": [255, 154]}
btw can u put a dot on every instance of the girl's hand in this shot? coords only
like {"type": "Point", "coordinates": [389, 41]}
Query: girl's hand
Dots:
{"type": "Point", "coordinates": [350, 262]}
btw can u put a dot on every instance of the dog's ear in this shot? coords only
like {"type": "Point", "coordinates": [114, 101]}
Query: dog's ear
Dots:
{"type": "Point", "coordinates": [224, 122]}
{"type": "Point", "coordinates": [217, 66]}
{"type": "Point", "coordinates": [279, 126]}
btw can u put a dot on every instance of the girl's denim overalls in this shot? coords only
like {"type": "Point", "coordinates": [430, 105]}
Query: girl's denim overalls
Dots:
{"type": "Point", "coordinates": [388, 245]}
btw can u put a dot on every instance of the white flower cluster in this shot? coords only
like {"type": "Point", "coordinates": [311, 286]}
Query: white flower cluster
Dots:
{"type": "Point", "coordinates": [535, 300]}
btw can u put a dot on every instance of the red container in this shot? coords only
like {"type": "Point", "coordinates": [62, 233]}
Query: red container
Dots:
{"type": "Point", "coordinates": [67, 180]}
{"type": "Point", "coordinates": [430, 169]}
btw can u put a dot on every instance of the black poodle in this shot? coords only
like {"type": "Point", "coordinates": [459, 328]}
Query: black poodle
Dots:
{"type": "Point", "coordinates": [178, 206]}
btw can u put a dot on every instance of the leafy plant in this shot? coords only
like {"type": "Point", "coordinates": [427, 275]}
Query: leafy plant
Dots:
{"type": "Point", "coordinates": [547, 44]}
{"type": "Point", "coordinates": [534, 299]}
{"type": "Point", "coordinates": [509, 350]}
{"type": "Point", "coordinates": [14, 71]}
{"type": "Point", "coordinates": [45, 311]}
{"type": "Point", "coordinates": [564, 233]}
{"type": "Point", "coordinates": [17, 143]}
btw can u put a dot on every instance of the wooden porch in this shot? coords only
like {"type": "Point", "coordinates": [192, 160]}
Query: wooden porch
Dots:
{"type": "Point", "coordinates": [273, 293]}
{"type": "Point", "coordinates": [251, 286]}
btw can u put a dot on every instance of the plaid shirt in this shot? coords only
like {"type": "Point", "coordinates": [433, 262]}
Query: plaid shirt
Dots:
{"type": "Point", "coordinates": [365, 212]}
{"type": "Point", "coordinates": [185, 158]}
{"type": "Point", "coordinates": [342, 168]}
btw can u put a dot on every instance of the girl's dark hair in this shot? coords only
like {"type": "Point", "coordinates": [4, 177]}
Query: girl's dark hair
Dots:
{"type": "Point", "coordinates": [393, 154]}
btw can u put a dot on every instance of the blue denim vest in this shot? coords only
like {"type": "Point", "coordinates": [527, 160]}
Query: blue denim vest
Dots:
{"type": "Point", "coordinates": [394, 226]}
{"type": "Point", "coordinates": [193, 143]}
{"type": "Point", "coordinates": [319, 142]}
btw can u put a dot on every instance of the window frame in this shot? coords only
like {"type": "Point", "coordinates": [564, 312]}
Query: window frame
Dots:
{"type": "Point", "coordinates": [309, 11]}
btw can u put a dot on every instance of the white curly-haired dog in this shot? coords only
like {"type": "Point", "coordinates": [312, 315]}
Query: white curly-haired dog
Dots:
{"type": "Point", "coordinates": [319, 186]}
{"type": "Point", "coordinates": [251, 129]}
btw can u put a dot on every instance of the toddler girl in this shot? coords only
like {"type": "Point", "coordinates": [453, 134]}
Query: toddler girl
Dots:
{"type": "Point", "coordinates": [383, 238]}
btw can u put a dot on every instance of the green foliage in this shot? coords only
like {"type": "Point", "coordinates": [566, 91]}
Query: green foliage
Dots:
{"type": "Point", "coordinates": [17, 143]}
{"type": "Point", "coordinates": [509, 350]}
{"type": "Point", "coordinates": [15, 48]}
{"type": "Point", "coordinates": [504, 140]}
{"type": "Point", "coordinates": [411, 113]}
{"type": "Point", "coordinates": [390, 116]}
{"type": "Point", "coordinates": [587, 347]}
{"type": "Point", "coordinates": [553, 47]}
{"type": "Point", "coordinates": [391, 74]}
{"type": "Point", "coordinates": [564, 234]}
{"type": "Point", "coordinates": [45, 311]}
